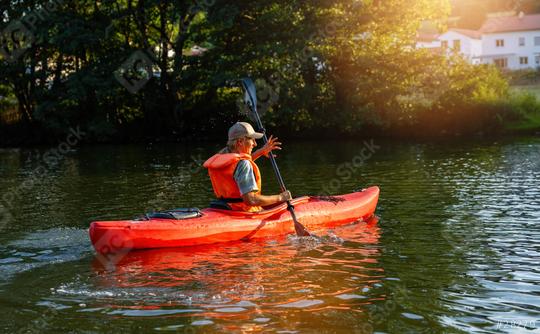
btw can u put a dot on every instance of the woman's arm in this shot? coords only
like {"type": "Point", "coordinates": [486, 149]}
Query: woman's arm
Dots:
{"type": "Point", "coordinates": [254, 199]}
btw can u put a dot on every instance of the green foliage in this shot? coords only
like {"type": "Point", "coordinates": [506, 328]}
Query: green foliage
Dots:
{"type": "Point", "coordinates": [324, 67]}
{"type": "Point", "coordinates": [7, 98]}
{"type": "Point", "coordinates": [522, 112]}
{"type": "Point", "coordinates": [525, 104]}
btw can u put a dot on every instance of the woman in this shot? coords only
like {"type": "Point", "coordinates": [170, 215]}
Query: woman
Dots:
{"type": "Point", "coordinates": [235, 177]}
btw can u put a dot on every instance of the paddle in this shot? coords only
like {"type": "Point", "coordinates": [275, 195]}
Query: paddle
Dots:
{"type": "Point", "coordinates": [250, 98]}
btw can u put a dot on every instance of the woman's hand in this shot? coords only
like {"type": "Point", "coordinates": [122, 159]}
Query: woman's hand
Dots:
{"type": "Point", "coordinates": [271, 145]}
{"type": "Point", "coordinates": [285, 196]}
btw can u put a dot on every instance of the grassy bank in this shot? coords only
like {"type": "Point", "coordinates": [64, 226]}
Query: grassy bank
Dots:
{"type": "Point", "coordinates": [531, 89]}
{"type": "Point", "coordinates": [525, 105]}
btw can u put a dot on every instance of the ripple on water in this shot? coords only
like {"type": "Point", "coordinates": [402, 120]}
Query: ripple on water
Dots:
{"type": "Point", "coordinates": [10, 260]}
{"type": "Point", "coordinates": [230, 310]}
{"type": "Point", "coordinates": [127, 295]}
{"type": "Point", "coordinates": [483, 199]}
{"type": "Point", "coordinates": [202, 322]}
{"type": "Point", "coordinates": [348, 296]}
{"type": "Point", "coordinates": [499, 234]}
{"type": "Point", "coordinates": [151, 313]}
{"type": "Point", "coordinates": [305, 303]}
{"type": "Point", "coordinates": [53, 238]}
{"type": "Point", "coordinates": [174, 328]}
{"type": "Point", "coordinates": [42, 248]}
{"type": "Point", "coordinates": [412, 316]}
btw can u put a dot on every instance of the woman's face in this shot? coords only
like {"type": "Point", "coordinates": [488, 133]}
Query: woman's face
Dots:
{"type": "Point", "coordinates": [246, 145]}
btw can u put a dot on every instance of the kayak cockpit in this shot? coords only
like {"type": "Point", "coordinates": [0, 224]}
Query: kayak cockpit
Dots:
{"type": "Point", "coordinates": [278, 208]}
{"type": "Point", "coordinates": [176, 214]}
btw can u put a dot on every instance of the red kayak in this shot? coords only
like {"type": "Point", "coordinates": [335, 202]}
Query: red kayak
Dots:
{"type": "Point", "coordinates": [161, 267]}
{"type": "Point", "coordinates": [192, 227]}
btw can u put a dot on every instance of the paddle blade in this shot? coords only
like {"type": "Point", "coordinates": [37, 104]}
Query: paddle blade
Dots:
{"type": "Point", "coordinates": [301, 230]}
{"type": "Point", "coordinates": [250, 96]}
{"type": "Point", "coordinates": [298, 228]}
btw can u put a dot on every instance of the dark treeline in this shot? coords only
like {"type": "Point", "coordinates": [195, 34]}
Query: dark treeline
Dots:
{"type": "Point", "coordinates": [131, 70]}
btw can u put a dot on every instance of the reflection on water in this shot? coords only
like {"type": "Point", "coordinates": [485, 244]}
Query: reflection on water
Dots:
{"type": "Point", "coordinates": [456, 248]}
{"type": "Point", "coordinates": [275, 283]}
{"type": "Point", "coordinates": [260, 283]}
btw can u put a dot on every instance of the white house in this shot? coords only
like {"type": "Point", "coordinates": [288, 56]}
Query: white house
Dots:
{"type": "Point", "coordinates": [466, 42]}
{"type": "Point", "coordinates": [427, 41]}
{"type": "Point", "coordinates": [512, 42]}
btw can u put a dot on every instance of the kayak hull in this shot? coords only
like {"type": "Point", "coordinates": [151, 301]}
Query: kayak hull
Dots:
{"type": "Point", "coordinates": [223, 225]}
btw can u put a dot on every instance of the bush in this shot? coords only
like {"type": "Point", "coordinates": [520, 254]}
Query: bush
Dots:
{"type": "Point", "coordinates": [7, 98]}
{"type": "Point", "coordinates": [521, 112]}
{"type": "Point", "coordinates": [523, 77]}
{"type": "Point", "coordinates": [443, 96]}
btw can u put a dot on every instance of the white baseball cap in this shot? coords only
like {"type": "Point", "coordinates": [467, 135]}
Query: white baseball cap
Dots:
{"type": "Point", "coordinates": [243, 129]}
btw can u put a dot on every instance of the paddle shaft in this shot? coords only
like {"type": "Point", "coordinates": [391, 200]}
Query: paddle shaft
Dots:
{"type": "Point", "coordinates": [271, 155]}
{"type": "Point", "coordinates": [299, 228]}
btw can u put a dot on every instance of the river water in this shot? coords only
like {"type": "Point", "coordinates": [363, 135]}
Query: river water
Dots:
{"type": "Point", "coordinates": [455, 249]}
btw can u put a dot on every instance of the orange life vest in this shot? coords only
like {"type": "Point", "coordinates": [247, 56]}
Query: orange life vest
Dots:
{"type": "Point", "coordinates": [221, 168]}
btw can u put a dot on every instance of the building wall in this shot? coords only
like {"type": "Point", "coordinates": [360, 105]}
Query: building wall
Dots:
{"type": "Point", "coordinates": [428, 45]}
{"type": "Point", "coordinates": [511, 49]}
{"type": "Point", "coordinates": [470, 47]}
{"type": "Point", "coordinates": [476, 50]}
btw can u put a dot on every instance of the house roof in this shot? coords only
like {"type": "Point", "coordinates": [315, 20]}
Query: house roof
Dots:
{"type": "Point", "coordinates": [469, 33]}
{"type": "Point", "coordinates": [425, 37]}
{"type": "Point", "coordinates": [511, 23]}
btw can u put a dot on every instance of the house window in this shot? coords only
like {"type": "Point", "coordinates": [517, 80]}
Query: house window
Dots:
{"type": "Point", "coordinates": [523, 60]}
{"type": "Point", "coordinates": [537, 41]}
{"type": "Point", "coordinates": [457, 45]}
{"type": "Point", "coordinates": [501, 62]}
{"type": "Point", "coordinates": [444, 44]}
{"type": "Point", "coordinates": [537, 59]}
{"type": "Point", "coordinates": [522, 41]}
{"type": "Point", "coordinates": [499, 43]}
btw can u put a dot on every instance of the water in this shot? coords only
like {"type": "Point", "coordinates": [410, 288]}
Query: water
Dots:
{"type": "Point", "coordinates": [456, 248]}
